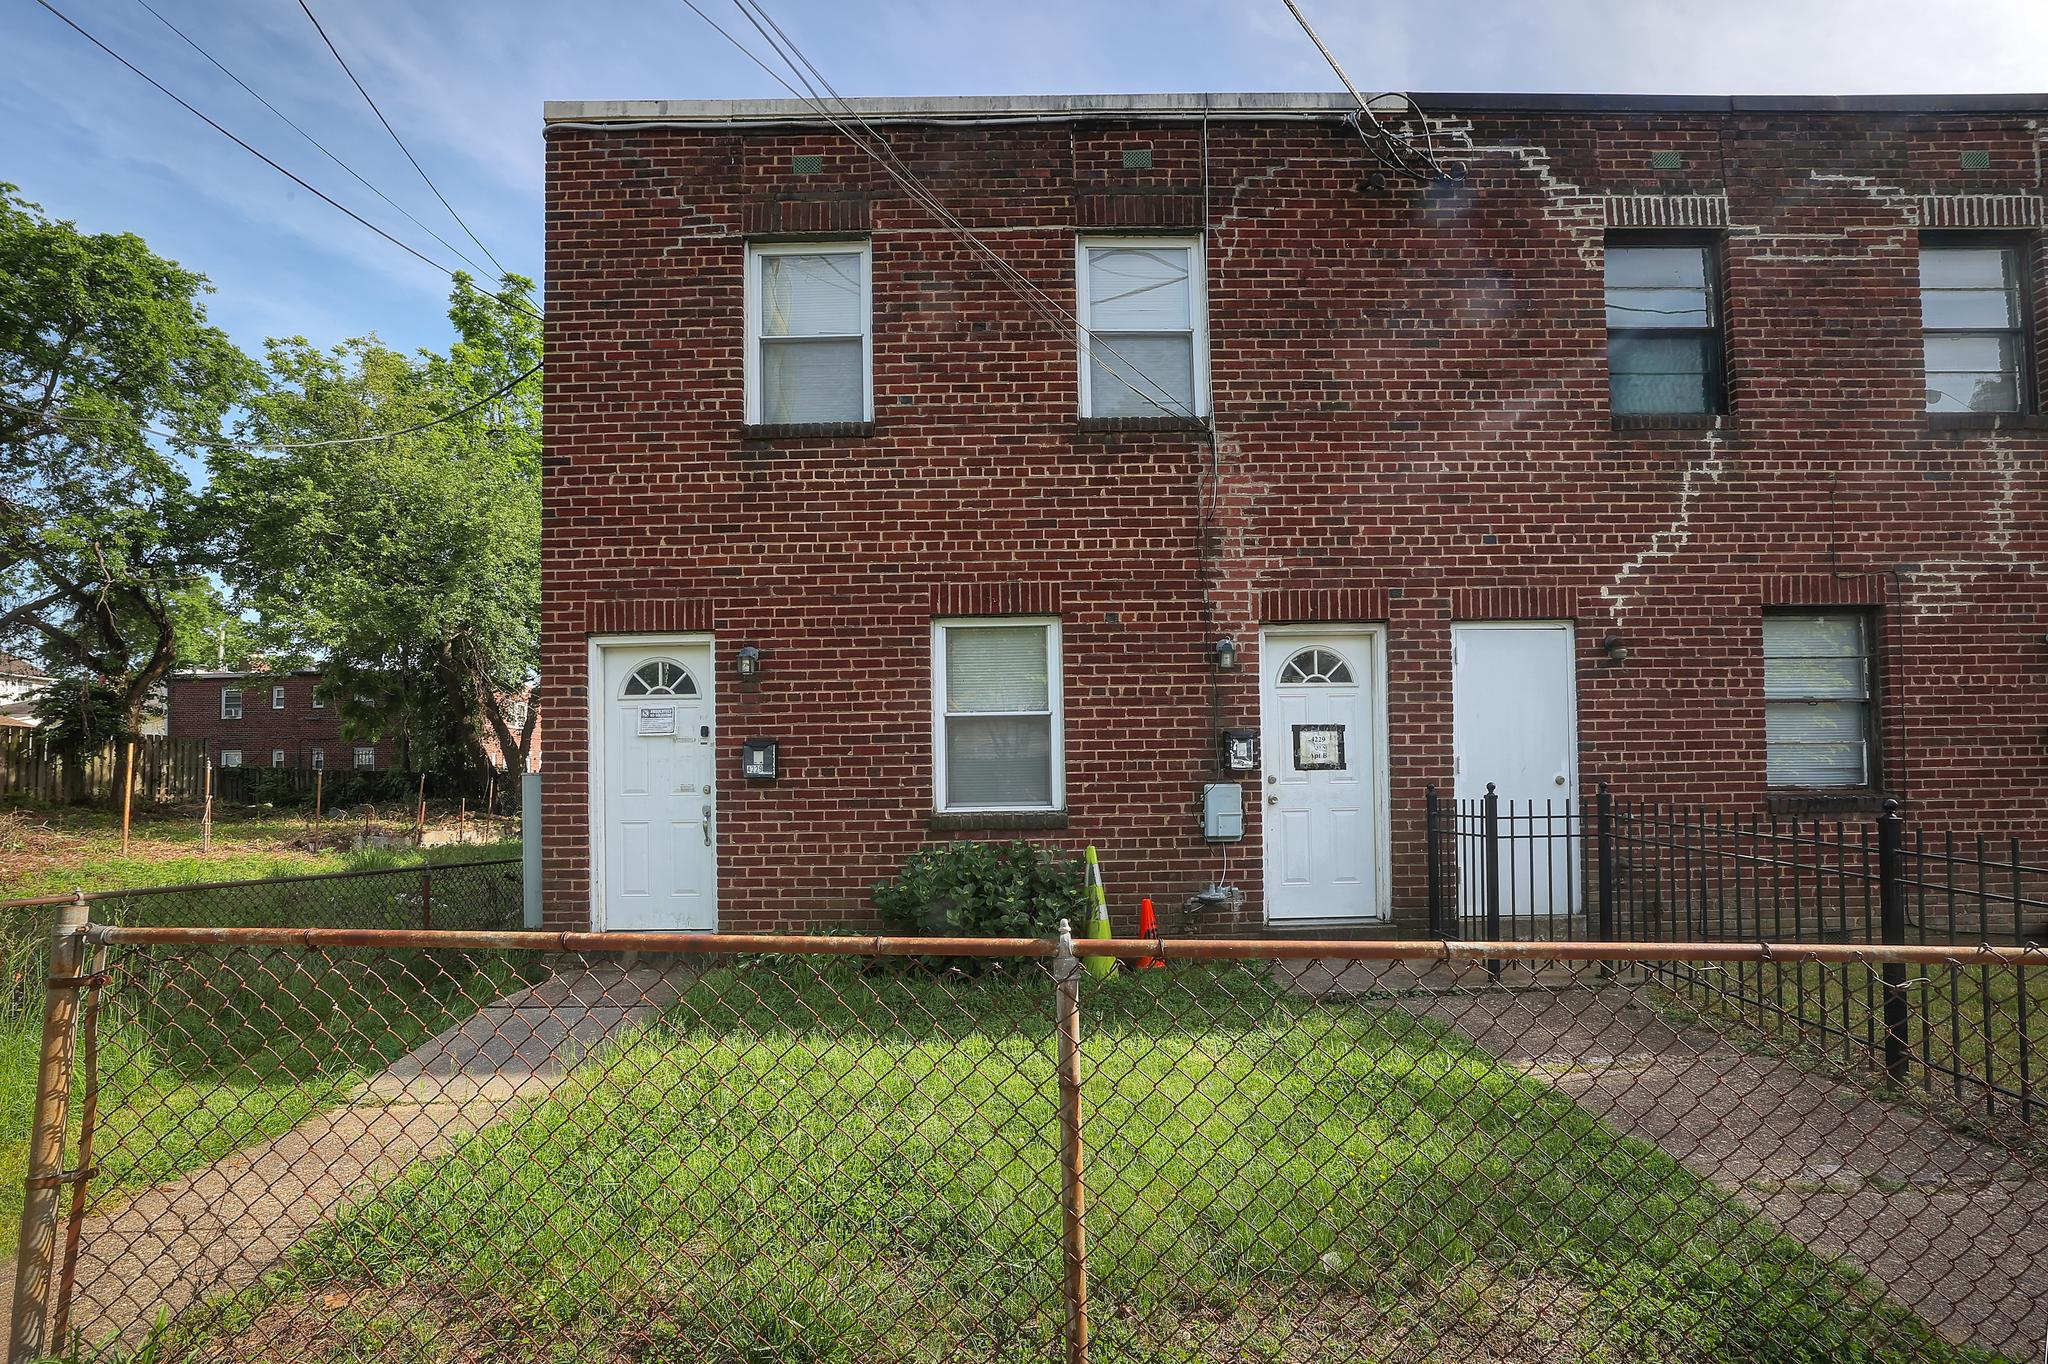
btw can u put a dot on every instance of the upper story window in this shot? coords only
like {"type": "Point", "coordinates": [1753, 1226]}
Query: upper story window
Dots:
{"type": "Point", "coordinates": [996, 715]}
{"type": "Point", "coordinates": [230, 703]}
{"type": "Point", "coordinates": [1144, 341]}
{"type": "Point", "coordinates": [1663, 328]}
{"type": "Point", "coordinates": [1819, 720]}
{"type": "Point", "coordinates": [277, 698]}
{"type": "Point", "coordinates": [1973, 318]}
{"type": "Point", "coordinates": [810, 335]}
{"type": "Point", "coordinates": [319, 701]}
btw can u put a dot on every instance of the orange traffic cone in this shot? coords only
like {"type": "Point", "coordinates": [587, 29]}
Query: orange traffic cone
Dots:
{"type": "Point", "coordinates": [1148, 927]}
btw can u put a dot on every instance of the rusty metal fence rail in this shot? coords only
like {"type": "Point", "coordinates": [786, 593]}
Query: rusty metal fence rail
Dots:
{"type": "Point", "coordinates": [358, 1144]}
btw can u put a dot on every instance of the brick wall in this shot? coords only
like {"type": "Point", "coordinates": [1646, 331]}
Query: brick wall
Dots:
{"type": "Point", "coordinates": [298, 728]}
{"type": "Point", "coordinates": [1410, 401]}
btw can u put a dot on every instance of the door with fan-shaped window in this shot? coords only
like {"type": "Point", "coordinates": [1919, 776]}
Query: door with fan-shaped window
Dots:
{"type": "Point", "coordinates": [655, 826]}
{"type": "Point", "coordinates": [1323, 786]}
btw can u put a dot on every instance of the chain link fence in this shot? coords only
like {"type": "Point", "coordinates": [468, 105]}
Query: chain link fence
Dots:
{"type": "Point", "coordinates": [353, 1145]}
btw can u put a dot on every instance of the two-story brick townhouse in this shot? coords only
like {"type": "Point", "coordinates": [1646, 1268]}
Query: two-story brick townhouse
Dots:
{"type": "Point", "coordinates": [255, 719]}
{"type": "Point", "coordinates": [1690, 444]}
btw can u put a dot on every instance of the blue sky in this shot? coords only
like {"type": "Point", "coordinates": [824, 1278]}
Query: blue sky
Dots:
{"type": "Point", "coordinates": [464, 79]}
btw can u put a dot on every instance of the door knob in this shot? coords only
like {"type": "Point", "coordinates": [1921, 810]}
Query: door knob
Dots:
{"type": "Point", "coordinates": [1272, 800]}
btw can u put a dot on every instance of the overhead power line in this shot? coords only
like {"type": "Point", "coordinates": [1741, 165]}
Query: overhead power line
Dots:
{"type": "Point", "coordinates": [318, 145]}
{"type": "Point", "coordinates": [328, 199]}
{"type": "Point", "coordinates": [1391, 150]}
{"type": "Point", "coordinates": [257, 447]}
{"type": "Point", "coordinates": [317, 28]}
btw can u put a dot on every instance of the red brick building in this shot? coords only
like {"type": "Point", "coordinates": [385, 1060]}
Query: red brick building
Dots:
{"type": "Point", "coordinates": [264, 720]}
{"type": "Point", "coordinates": [1689, 444]}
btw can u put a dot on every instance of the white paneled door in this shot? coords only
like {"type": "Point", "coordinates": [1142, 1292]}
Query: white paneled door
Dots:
{"type": "Point", "coordinates": [1324, 781]}
{"type": "Point", "coordinates": [655, 823]}
{"type": "Point", "coordinates": [1515, 724]}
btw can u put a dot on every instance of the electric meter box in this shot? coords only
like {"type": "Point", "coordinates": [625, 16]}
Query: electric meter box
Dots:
{"type": "Point", "coordinates": [1223, 812]}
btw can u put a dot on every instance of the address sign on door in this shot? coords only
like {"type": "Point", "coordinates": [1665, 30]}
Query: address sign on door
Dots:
{"type": "Point", "coordinates": [1319, 748]}
{"type": "Point", "coordinates": [657, 721]}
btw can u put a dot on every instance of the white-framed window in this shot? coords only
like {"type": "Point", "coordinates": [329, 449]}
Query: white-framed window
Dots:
{"type": "Point", "coordinates": [319, 701]}
{"type": "Point", "coordinates": [1144, 318]}
{"type": "Point", "coordinates": [1818, 713]}
{"type": "Point", "coordinates": [319, 759]}
{"type": "Point", "coordinates": [366, 757]}
{"type": "Point", "coordinates": [996, 715]}
{"type": "Point", "coordinates": [277, 698]}
{"type": "Point", "coordinates": [230, 703]}
{"type": "Point", "coordinates": [231, 757]}
{"type": "Point", "coordinates": [810, 333]}
{"type": "Point", "coordinates": [277, 757]}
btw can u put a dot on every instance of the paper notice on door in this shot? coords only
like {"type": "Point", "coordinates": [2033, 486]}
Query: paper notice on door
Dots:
{"type": "Point", "coordinates": [657, 721]}
{"type": "Point", "coordinates": [1319, 748]}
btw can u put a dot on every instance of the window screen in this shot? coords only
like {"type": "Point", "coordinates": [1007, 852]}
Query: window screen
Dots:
{"type": "Point", "coordinates": [230, 703]}
{"type": "Point", "coordinates": [1817, 699]}
{"type": "Point", "coordinates": [231, 757]}
{"type": "Point", "coordinates": [812, 320]}
{"type": "Point", "coordinates": [998, 688]}
{"type": "Point", "coordinates": [1141, 308]}
{"type": "Point", "coordinates": [1972, 317]}
{"type": "Point", "coordinates": [1663, 338]}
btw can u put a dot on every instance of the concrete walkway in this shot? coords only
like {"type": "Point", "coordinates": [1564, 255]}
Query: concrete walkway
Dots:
{"type": "Point", "coordinates": [221, 1227]}
{"type": "Point", "coordinates": [1953, 1227]}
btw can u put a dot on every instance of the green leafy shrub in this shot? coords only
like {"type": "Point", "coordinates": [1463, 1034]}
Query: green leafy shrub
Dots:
{"type": "Point", "coordinates": [984, 890]}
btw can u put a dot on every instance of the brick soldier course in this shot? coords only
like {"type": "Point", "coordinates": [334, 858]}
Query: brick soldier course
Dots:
{"type": "Point", "coordinates": [1411, 427]}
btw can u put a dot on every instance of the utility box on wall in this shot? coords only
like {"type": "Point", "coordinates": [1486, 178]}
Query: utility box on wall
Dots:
{"type": "Point", "coordinates": [1223, 812]}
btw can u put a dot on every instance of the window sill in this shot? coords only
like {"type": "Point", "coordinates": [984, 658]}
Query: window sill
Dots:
{"type": "Point", "coordinates": [1987, 421]}
{"type": "Point", "coordinates": [1671, 421]}
{"type": "Point", "coordinates": [942, 820]}
{"type": "Point", "coordinates": [1824, 802]}
{"type": "Point", "coordinates": [806, 430]}
{"type": "Point", "coordinates": [1110, 426]}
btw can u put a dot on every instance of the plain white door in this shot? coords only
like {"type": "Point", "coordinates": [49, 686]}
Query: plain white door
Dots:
{"type": "Point", "coordinates": [1319, 697]}
{"type": "Point", "coordinates": [1515, 724]}
{"type": "Point", "coordinates": [657, 822]}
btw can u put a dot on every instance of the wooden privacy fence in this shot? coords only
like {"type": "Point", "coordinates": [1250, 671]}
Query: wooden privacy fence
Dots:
{"type": "Point", "coordinates": [32, 769]}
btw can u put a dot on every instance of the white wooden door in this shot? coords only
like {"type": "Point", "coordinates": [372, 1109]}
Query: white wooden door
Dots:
{"type": "Point", "coordinates": [1324, 781]}
{"type": "Point", "coordinates": [656, 825]}
{"type": "Point", "coordinates": [1515, 724]}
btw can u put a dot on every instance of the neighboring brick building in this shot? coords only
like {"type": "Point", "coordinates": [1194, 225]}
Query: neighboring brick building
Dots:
{"type": "Point", "coordinates": [264, 720]}
{"type": "Point", "coordinates": [1747, 563]}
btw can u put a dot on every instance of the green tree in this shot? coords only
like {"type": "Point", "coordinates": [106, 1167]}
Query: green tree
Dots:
{"type": "Point", "coordinates": [100, 526]}
{"type": "Point", "coordinates": [411, 564]}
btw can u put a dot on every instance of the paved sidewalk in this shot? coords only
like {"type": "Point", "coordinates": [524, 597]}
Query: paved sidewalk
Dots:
{"type": "Point", "coordinates": [219, 1228]}
{"type": "Point", "coordinates": [1952, 1227]}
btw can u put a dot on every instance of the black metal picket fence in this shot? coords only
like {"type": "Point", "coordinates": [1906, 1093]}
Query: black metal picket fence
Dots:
{"type": "Point", "coordinates": [1637, 872]}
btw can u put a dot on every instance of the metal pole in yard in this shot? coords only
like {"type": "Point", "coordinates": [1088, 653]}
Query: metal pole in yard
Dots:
{"type": "Point", "coordinates": [1490, 809]}
{"type": "Point", "coordinates": [1066, 974]}
{"type": "Point", "coordinates": [1606, 829]}
{"type": "Point", "coordinates": [419, 823]}
{"type": "Point", "coordinates": [319, 778]}
{"type": "Point", "coordinates": [127, 788]}
{"type": "Point", "coordinates": [88, 1114]}
{"type": "Point", "coordinates": [1891, 879]}
{"type": "Point", "coordinates": [206, 814]}
{"type": "Point", "coordinates": [35, 1252]}
{"type": "Point", "coordinates": [426, 900]}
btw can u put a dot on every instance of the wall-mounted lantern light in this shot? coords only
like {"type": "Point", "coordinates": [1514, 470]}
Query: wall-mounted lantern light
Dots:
{"type": "Point", "coordinates": [1225, 652]}
{"type": "Point", "coordinates": [747, 663]}
{"type": "Point", "coordinates": [758, 759]}
{"type": "Point", "coordinates": [1616, 647]}
{"type": "Point", "coordinates": [1237, 750]}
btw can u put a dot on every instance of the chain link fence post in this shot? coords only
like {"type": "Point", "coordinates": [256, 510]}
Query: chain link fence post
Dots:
{"type": "Point", "coordinates": [1066, 974]}
{"type": "Point", "coordinates": [1891, 887]}
{"type": "Point", "coordinates": [35, 1252]}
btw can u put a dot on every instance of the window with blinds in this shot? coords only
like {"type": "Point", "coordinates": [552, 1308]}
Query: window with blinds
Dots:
{"type": "Point", "coordinates": [1663, 332]}
{"type": "Point", "coordinates": [1973, 324]}
{"type": "Point", "coordinates": [809, 333]}
{"type": "Point", "coordinates": [1143, 348]}
{"type": "Point", "coordinates": [996, 692]}
{"type": "Point", "coordinates": [1817, 699]}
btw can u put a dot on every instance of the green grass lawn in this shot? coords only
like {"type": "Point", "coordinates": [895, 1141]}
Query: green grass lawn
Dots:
{"type": "Point", "coordinates": [806, 1162]}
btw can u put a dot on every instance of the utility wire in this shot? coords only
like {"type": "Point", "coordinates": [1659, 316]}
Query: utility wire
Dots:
{"type": "Point", "coordinates": [321, 195]}
{"type": "Point", "coordinates": [259, 448]}
{"type": "Point", "coordinates": [317, 28]}
{"type": "Point", "coordinates": [1395, 153]}
{"type": "Point", "coordinates": [879, 151]}
{"type": "Point", "coordinates": [318, 145]}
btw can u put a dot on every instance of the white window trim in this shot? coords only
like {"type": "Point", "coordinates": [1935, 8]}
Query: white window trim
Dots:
{"type": "Point", "coordinates": [236, 712]}
{"type": "Point", "coordinates": [231, 757]}
{"type": "Point", "coordinates": [1198, 308]}
{"type": "Point", "coordinates": [1055, 687]}
{"type": "Point", "coordinates": [318, 702]}
{"type": "Point", "coordinates": [759, 251]}
{"type": "Point", "coordinates": [355, 758]}
{"type": "Point", "coordinates": [277, 698]}
{"type": "Point", "coordinates": [277, 757]}
{"type": "Point", "coordinates": [319, 759]}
